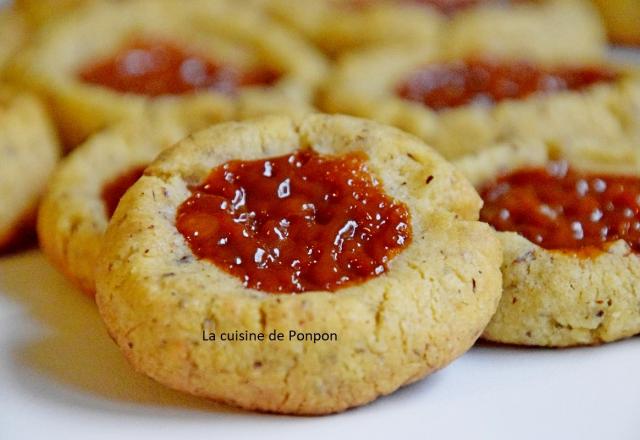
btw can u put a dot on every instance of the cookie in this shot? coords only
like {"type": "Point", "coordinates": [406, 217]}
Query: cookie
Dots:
{"type": "Point", "coordinates": [86, 187]}
{"type": "Point", "coordinates": [461, 106]}
{"type": "Point", "coordinates": [340, 26]}
{"type": "Point", "coordinates": [552, 31]}
{"type": "Point", "coordinates": [188, 61]}
{"type": "Point", "coordinates": [570, 228]}
{"type": "Point", "coordinates": [40, 12]}
{"type": "Point", "coordinates": [13, 33]}
{"type": "Point", "coordinates": [29, 152]}
{"type": "Point", "coordinates": [354, 326]}
{"type": "Point", "coordinates": [622, 18]}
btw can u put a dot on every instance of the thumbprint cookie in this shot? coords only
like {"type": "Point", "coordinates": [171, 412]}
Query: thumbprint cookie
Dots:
{"type": "Point", "coordinates": [195, 60]}
{"type": "Point", "coordinates": [570, 229]}
{"type": "Point", "coordinates": [86, 187]}
{"type": "Point", "coordinates": [461, 106]}
{"type": "Point", "coordinates": [305, 228]}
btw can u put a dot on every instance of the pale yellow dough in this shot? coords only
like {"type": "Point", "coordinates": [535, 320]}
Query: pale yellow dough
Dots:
{"type": "Point", "coordinates": [222, 30]}
{"type": "Point", "coordinates": [556, 298]}
{"type": "Point", "coordinates": [548, 31]}
{"type": "Point", "coordinates": [73, 217]}
{"type": "Point", "coordinates": [157, 298]}
{"type": "Point", "coordinates": [337, 26]}
{"type": "Point", "coordinates": [602, 115]}
{"type": "Point", "coordinates": [29, 151]}
{"type": "Point", "coordinates": [552, 31]}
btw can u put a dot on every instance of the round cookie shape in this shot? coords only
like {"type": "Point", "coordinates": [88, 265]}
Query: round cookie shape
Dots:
{"type": "Point", "coordinates": [572, 290]}
{"type": "Point", "coordinates": [158, 299]}
{"type": "Point", "coordinates": [85, 188]}
{"type": "Point", "coordinates": [599, 109]}
{"type": "Point", "coordinates": [137, 36]}
{"type": "Point", "coordinates": [549, 31]}
{"type": "Point", "coordinates": [29, 151]}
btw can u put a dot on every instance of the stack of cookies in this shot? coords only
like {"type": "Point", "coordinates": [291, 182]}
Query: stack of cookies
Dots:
{"type": "Point", "coordinates": [298, 207]}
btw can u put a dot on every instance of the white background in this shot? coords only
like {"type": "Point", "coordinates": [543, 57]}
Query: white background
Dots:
{"type": "Point", "coordinates": [62, 377]}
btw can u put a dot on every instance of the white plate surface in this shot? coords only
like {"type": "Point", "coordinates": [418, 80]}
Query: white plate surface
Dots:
{"type": "Point", "coordinates": [62, 377]}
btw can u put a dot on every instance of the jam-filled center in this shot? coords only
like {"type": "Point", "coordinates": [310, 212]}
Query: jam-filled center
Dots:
{"type": "Point", "coordinates": [113, 190]}
{"type": "Point", "coordinates": [155, 68]}
{"type": "Point", "coordinates": [295, 223]}
{"type": "Point", "coordinates": [558, 208]}
{"type": "Point", "coordinates": [459, 83]}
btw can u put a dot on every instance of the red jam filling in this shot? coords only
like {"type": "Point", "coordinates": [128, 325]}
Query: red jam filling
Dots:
{"type": "Point", "coordinates": [460, 83]}
{"type": "Point", "coordinates": [295, 223]}
{"type": "Point", "coordinates": [558, 208]}
{"type": "Point", "coordinates": [113, 191]}
{"type": "Point", "coordinates": [156, 68]}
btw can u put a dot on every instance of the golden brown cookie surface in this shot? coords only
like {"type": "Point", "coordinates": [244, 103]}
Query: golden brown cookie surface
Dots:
{"type": "Point", "coordinates": [218, 49]}
{"type": "Point", "coordinates": [86, 187]}
{"type": "Point", "coordinates": [13, 33]}
{"type": "Point", "coordinates": [622, 18]}
{"type": "Point", "coordinates": [340, 26]}
{"type": "Point", "coordinates": [461, 106]}
{"type": "Point", "coordinates": [571, 260]}
{"type": "Point", "coordinates": [158, 299]}
{"type": "Point", "coordinates": [29, 152]}
{"type": "Point", "coordinates": [551, 31]}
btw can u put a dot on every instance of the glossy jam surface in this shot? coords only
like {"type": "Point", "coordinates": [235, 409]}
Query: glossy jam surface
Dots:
{"type": "Point", "coordinates": [295, 223]}
{"type": "Point", "coordinates": [156, 68]}
{"type": "Point", "coordinates": [113, 191]}
{"type": "Point", "coordinates": [455, 84]}
{"type": "Point", "coordinates": [561, 209]}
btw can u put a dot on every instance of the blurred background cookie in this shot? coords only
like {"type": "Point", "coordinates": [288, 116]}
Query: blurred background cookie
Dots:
{"type": "Point", "coordinates": [85, 190]}
{"type": "Point", "coordinates": [29, 151]}
{"type": "Point", "coordinates": [195, 60]}
{"type": "Point", "coordinates": [460, 106]}
{"type": "Point", "coordinates": [548, 31]}
{"type": "Point", "coordinates": [39, 12]}
{"type": "Point", "coordinates": [13, 33]}
{"type": "Point", "coordinates": [340, 26]}
{"type": "Point", "coordinates": [622, 18]}
{"type": "Point", "coordinates": [571, 236]}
